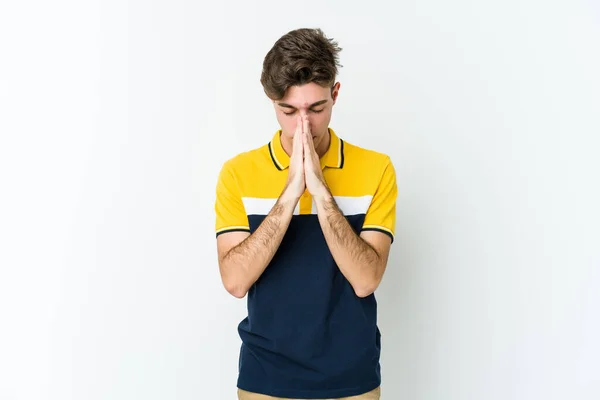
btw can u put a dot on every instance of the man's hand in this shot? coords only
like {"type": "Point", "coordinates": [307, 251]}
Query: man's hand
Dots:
{"type": "Point", "coordinates": [296, 185]}
{"type": "Point", "coordinates": [315, 182]}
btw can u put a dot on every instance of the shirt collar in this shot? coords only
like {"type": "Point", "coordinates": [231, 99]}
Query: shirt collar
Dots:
{"type": "Point", "coordinates": [333, 158]}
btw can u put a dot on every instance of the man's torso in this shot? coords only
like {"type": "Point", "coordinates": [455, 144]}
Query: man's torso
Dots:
{"type": "Point", "coordinates": [307, 334]}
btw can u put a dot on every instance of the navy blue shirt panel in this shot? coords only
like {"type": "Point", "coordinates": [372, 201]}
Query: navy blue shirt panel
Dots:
{"type": "Point", "coordinates": [307, 334]}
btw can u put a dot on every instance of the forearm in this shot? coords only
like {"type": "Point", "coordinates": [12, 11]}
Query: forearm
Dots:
{"type": "Point", "coordinates": [244, 263]}
{"type": "Point", "coordinates": [358, 261]}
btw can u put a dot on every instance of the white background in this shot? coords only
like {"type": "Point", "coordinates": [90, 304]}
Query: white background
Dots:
{"type": "Point", "coordinates": [115, 118]}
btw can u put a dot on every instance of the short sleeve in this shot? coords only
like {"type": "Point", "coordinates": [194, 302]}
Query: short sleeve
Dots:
{"type": "Point", "coordinates": [229, 208]}
{"type": "Point", "coordinates": [381, 214]}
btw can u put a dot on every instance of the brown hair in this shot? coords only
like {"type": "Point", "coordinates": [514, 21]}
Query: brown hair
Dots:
{"type": "Point", "coordinates": [300, 56]}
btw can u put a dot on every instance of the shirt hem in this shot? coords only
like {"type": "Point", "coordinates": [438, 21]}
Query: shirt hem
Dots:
{"type": "Point", "coordinates": [313, 394]}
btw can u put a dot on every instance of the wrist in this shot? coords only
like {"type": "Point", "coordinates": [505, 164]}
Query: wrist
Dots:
{"type": "Point", "coordinates": [323, 196]}
{"type": "Point", "coordinates": [288, 197]}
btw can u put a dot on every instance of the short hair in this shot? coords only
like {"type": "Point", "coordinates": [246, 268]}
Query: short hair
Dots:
{"type": "Point", "coordinates": [300, 56]}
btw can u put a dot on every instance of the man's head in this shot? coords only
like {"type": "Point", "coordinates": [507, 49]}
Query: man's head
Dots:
{"type": "Point", "coordinates": [299, 77]}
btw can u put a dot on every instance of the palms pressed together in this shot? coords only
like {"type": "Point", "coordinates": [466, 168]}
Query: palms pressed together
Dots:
{"type": "Point", "coordinates": [305, 166]}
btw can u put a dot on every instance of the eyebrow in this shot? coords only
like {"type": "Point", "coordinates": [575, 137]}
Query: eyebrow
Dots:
{"type": "Point", "coordinates": [318, 103]}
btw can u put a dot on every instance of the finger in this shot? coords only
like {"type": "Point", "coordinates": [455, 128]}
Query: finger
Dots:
{"type": "Point", "coordinates": [310, 145]}
{"type": "Point", "coordinates": [300, 146]}
{"type": "Point", "coordinates": [306, 146]}
{"type": "Point", "coordinates": [309, 148]}
{"type": "Point", "coordinates": [297, 140]}
{"type": "Point", "coordinates": [301, 151]}
{"type": "Point", "coordinates": [306, 150]}
{"type": "Point", "coordinates": [306, 125]}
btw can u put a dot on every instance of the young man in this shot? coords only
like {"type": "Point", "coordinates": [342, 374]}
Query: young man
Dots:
{"type": "Point", "coordinates": [304, 226]}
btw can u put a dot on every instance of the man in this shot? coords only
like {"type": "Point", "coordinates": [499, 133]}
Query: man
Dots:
{"type": "Point", "coordinates": [304, 226]}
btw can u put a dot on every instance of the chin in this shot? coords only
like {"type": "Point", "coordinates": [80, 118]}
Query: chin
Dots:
{"type": "Point", "coordinates": [318, 138]}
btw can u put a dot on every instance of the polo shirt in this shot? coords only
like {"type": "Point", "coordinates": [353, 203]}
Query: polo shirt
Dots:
{"type": "Point", "coordinates": [307, 334]}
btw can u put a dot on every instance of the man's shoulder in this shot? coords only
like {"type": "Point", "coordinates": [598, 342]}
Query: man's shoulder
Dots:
{"type": "Point", "coordinates": [246, 159]}
{"type": "Point", "coordinates": [362, 156]}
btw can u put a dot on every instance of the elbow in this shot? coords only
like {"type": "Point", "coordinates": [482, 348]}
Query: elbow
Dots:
{"type": "Point", "coordinates": [240, 294]}
{"type": "Point", "coordinates": [236, 290]}
{"type": "Point", "coordinates": [363, 292]}
{"type": "Point", "coordinates": [233, 283]}
{"type": "Point", "coordinates": [366, 288]}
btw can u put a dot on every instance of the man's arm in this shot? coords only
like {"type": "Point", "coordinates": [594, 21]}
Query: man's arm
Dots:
{"type": "Point", "coordinates": [361, 259]}
{"type": "Point", "coordinates": [243, 257]}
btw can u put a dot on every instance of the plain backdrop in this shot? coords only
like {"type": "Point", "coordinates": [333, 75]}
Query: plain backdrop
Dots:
{"type": "Point", "coordinates": [115, 118]}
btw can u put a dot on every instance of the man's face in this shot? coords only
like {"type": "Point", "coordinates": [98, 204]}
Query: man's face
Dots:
{"type": "Point", "coordinates": [311, 99]}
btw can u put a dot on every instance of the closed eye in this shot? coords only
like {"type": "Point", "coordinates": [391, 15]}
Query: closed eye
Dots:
{"type": "Point", "coordinates": [314, 111]}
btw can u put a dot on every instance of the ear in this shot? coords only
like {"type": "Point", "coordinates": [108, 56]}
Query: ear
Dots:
{"type": "Point", "coordinates": [335, 91]}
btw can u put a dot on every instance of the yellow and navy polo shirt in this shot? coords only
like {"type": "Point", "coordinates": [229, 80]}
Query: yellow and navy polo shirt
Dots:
{"type": "Point", "coordinates": [307, 335]}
